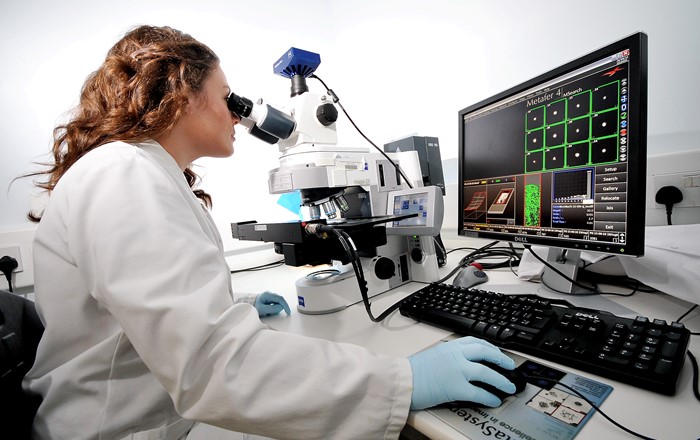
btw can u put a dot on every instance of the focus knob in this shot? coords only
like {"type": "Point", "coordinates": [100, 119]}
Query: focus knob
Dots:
{"type": "Point", "coordinates": [384, 268]}
{"type": "Point", "coordinates": [326, 114]}
{"type": "Point", "coordinates": [417, 255]}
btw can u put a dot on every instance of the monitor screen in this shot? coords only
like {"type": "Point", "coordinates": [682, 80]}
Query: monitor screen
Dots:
{"type": "Point", "coordinates": [560, 160]}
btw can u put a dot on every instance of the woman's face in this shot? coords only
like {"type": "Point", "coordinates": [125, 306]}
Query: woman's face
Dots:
{"type": "Point", "coordinates": [207, 122]}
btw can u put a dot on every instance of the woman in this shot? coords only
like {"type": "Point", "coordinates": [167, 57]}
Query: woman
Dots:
{"type": "Point", "coordinates": [143, 336]}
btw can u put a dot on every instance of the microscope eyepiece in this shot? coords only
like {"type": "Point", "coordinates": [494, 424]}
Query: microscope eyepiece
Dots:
{"type": "Point", "coordinates": [239, 105]}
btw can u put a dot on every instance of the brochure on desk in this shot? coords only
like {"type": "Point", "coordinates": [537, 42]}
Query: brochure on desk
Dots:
{"type": "Point", "coordinates": [543, 410]}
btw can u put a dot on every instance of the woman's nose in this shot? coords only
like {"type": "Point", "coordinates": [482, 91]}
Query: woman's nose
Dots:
{"type": "Point", "coordinates": [235, 118]}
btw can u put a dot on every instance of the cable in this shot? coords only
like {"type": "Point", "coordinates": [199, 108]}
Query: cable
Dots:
{"type": "Point", "coordinates": [321, 230]}
{"type": "Point", "coordinates": [486, 252]}
{"type": "Point", "coordinates": [614, 280]}
{"type": "Point", "coordinates": [693, 361]}
{"type": "Point", "coordinates": [696, 374]}
{"type": "Point", "coordinates": [337, 101]}
{"type": "Point", "coordinates": [357, 265]}
{"type": "Point", "coordinates": [440, 246]}
{"type": "Point", "coordinates": [595, 279]}
{"type": "Point", "coordinates": [261, 267]}
{"type": "Point", "coordinates": [596, 407]}
{"type": "Point", "coordinates": [687, 313]}
{"type": "Point", "coordinates": [593, 291]}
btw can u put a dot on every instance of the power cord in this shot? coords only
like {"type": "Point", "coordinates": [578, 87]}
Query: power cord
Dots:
{"type": "Point", "coordinates": [669, 196]}
{"type": "Point", "coordinates": [7, 265]}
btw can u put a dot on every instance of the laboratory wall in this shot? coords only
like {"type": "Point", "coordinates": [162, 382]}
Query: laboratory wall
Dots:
{"type": "Point", "coordinates": [399, 67]}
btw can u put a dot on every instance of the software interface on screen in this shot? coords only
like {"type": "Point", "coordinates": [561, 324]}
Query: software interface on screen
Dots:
{"type": "Point", "coordinates": [551, 161]}
{"type": "Point", "coordinates": [412, 204]}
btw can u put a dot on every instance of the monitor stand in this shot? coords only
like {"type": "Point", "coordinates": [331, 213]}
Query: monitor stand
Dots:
{"type": "Point", "coordinates": [567, 262]}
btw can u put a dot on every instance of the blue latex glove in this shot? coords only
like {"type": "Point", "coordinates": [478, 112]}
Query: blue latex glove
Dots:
{"type": "Point", "coordinates": [268, 303]}
{"type": "Point", "coordinates": [442, 373]}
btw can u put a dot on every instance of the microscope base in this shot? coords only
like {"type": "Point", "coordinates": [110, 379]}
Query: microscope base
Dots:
{"type": "Point", "coordinates": [334, 289]}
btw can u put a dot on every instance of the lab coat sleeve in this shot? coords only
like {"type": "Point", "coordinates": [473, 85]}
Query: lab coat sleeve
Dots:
{"type": "Point", "coordinates": [248, 298]}
{"type": "Point", "coordinates": [134, 234]}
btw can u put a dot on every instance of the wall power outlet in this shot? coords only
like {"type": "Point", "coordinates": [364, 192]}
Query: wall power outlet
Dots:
{"type": "Point", "coordinates": [12, 251]}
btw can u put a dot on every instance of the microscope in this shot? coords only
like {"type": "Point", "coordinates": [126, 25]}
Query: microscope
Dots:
{"type": "Point", "coordinates": [378, 201]}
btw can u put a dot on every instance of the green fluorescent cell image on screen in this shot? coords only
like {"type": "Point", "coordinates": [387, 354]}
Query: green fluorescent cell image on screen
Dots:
{"type": "Point", "coordinates": [532, 205]}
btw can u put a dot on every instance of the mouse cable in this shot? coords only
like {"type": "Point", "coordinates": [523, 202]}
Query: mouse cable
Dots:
{"type": "Point", "coordinates": [486, 252]}
{"type": "Point", "coordinates": [579, 394]}
{"type": "Point", "coordinates": [511, 251]}
{"type": "Point", "coordinates": [261, 267]}
{"type": "Point", "coordinates": [512, 259]}
{"type": "Point", "coordinates": [465, 260]}
{"type": "Point", "coordinates": [336, 100]}
{"type": "Point", "coordinates": [510, 262]}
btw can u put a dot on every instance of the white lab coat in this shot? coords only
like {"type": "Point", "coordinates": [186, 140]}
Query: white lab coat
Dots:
{"type": "Point", "coordinates": [142, 334]}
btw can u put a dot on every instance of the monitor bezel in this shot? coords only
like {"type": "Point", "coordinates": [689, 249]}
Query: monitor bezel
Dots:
{"type": "Point", "coordinates": [636, 209]}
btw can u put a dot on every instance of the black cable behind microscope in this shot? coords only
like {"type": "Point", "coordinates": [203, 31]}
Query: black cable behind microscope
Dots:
{"type": "Point", "coordinates": [438, 241]}
{"type": "Point", "coordinates": [336, 100]}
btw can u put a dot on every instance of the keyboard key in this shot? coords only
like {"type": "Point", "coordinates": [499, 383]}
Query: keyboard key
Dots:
{"type": "Point", "coordinates": [663, 367]}
{"type": "Point", "coordinates": [669, 349]}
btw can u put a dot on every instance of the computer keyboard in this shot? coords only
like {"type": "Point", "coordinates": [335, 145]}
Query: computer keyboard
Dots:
{"type": "Point", "coordinates": [641, 352]}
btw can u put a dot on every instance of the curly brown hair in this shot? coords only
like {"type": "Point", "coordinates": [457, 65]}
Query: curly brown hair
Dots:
{"type": "Point", "coordinates": [138, 93]}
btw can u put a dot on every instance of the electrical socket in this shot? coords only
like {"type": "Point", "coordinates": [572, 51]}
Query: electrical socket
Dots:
{"type": "Point", "coordinates": [687, 182]}
{"type": "Point", "coordinates": [13, 251]}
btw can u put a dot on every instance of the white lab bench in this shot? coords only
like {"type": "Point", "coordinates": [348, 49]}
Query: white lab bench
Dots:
{"type": "Point", "coordinates": [652, 414]}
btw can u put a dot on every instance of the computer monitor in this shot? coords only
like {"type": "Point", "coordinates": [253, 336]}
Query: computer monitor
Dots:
{"type": "Point", "coordinates": [560, 160]}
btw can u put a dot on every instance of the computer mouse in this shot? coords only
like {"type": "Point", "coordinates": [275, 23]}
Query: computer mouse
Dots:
{"type": "Point", "coordinates": [515, 376]}
{"type": "Point", "coordinates": [470, 276]}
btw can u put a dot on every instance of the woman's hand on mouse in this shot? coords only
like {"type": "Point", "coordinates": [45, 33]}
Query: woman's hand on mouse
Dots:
{"type": "Point", "coordinates": [443, 373]}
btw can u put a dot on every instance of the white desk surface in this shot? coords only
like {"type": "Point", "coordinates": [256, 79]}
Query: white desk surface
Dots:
{"type": "Point", "coordinates": [648, 413]}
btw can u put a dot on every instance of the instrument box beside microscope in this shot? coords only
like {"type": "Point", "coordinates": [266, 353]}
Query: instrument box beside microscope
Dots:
{"type": "Point", "coordinates": [428, 150]}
